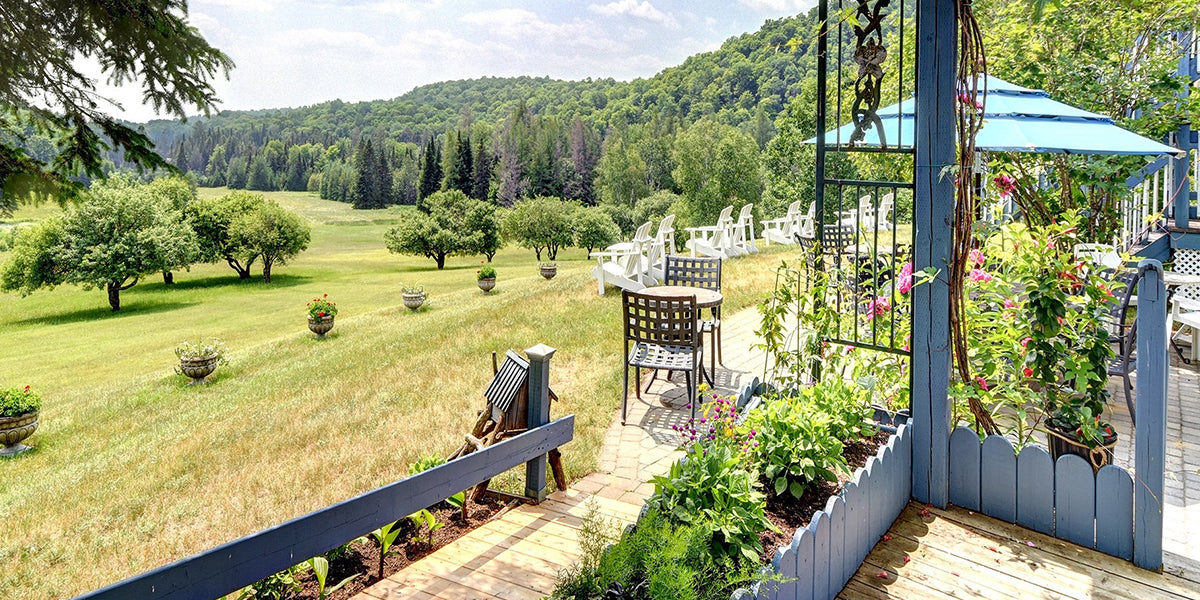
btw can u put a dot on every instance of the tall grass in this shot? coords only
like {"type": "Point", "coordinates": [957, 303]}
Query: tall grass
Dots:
{"type": "Point", "coordinates": [134, 468]}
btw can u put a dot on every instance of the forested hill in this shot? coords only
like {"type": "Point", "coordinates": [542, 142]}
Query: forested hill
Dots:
{"type": "Point", "coordinates": [501, 138]}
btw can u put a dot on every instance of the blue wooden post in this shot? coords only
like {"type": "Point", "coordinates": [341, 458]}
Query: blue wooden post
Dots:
{"type": "Point", "coordinates": [1180, 164]}
{"type": "Point", "coordinates": [537, 413]}
{"type": "Point", "coordinates": [1151, 432]}
{"type": "Point", "coordinates": [934, 205]}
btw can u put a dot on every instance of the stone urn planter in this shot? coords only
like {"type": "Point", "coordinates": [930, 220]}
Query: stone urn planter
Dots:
{"type": "Point", "coordinates": [320, 326]}
{"type": "Point", "coordinates": [487, 283]}
{"type": "Point", "coordinates": [198, 367]}
{"type": "Point", "coordinates": [15, 429]}
{"type": "Point", "coordinates": [414, 300]}
{"type": "Point", "coordinates": [548, 270]}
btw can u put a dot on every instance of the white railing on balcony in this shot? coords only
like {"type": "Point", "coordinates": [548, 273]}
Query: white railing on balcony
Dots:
{"type": "Point", "coordinates": [1143, 209]}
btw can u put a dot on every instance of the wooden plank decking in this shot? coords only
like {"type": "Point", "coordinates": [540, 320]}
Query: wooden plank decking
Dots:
{"type": "Point", "coordinates": [953, 554]}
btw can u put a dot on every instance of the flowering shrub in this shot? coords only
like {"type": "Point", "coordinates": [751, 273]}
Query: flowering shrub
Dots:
{"type": "Point", "coordinates": [322, 308]}
{"type": "Point", "coordinates": [486, 272]}
{"type": "Point", "coordinates": [201, 349]}
{"type": "Point", "coordinates": [15, 402]}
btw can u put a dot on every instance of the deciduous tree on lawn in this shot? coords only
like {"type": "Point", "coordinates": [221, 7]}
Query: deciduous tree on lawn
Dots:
{"type": "Point", "coordinates": [541, 223]}
{"type": "Point", "coordinates": [211, 219]}
{"type": "Point", "coordinates": [440, 232]}
{"type": "Point", "coordinates": [119, 233]}
{"type": "Point", "coordinates": [271, 232]}
{"type": "Point", "coordinates": [594, 229]}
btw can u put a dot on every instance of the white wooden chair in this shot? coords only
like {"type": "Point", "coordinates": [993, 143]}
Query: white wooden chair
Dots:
{"type": "Point", "coordinates": [878, 218]}
{"type": "Point", "coordinates": [660, 247]}
{"type": "Point", "coordinates": [712, 240]}
{"type": "Point", "coordinates": [624, 265]}
{"type": "Point", "coordinates": [741, 237]}
{"type": "Point", "coordinates": [853, 217]}
{"type": "Point", "coordinates": [783, 229]}
{"type": "Point", "coordinates": [1102, 256]}
{"type": "Point", "coordinates": [806, 224]}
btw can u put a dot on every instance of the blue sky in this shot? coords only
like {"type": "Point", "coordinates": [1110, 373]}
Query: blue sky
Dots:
{"type": "Point", "coordinates": [292, 53]}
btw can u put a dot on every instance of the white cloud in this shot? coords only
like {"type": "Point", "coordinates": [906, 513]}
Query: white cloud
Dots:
{"type": "Point", "coordinates": [780, 5]}
{"type": "Point", "coordinates": [633, 8]}
{"type": "Point", "coordinates": [315, 38]}
{"type": "Point", "coordinates": [251, 5]}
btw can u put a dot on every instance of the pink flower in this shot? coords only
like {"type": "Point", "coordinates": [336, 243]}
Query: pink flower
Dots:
{"type": "Point", "coordinates": [982, 383]}
{"type": "Point", "coordinates": [1009, 303]}
{"type": "Point", "coordinates": [976, 256]}
{"type": "Point", "coordinates": [1027, 372]}
{"type": "Point", "coordinates": [878, 306]}
{"type": "Point", "coordinates": [1005, 184]}
{"type": "Point", "coordinates": [904, 282]}
{"type": "Point", "coordinates": [980, 276]}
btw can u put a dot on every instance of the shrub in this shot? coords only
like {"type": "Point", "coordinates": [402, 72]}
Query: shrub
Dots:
{"type": "Point", "coordinates": [18, 401]}
{"type": "Point", "coordinates": [796, 444]}
{"type": "Point", "coordinates": [487, 272]}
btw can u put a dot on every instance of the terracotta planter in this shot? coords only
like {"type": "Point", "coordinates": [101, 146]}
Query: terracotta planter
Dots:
{"type": "Point", "coordinates": [198, 367]}
{"type": "Point", "coordinates": [1064, 442]}
{"type": "Point", "coordinates": [414, 301]}
{"type": "Point", "coordinates": [487, 284]}
{"type": "Point", "coordinates": [548, 271]}
{"type": "Point", "coordinates": [320, 326]}
{"type": "Point", "coordinates": [15, 429]}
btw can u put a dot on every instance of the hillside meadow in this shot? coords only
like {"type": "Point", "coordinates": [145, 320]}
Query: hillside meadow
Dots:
{"type": "Point", "coordinates": [134, 468]}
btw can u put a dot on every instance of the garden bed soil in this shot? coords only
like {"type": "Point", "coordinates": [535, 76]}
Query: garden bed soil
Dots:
{"type": "Point", "coordinates": [362, 560]}
{"type": "Point", "coordinates": [789, 514]}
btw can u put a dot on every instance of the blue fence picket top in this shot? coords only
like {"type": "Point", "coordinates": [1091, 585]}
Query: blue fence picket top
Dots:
{"type": "Point", "coordinates": [234, 565]}
{"type": "Point", "coordinates": [998, 479]}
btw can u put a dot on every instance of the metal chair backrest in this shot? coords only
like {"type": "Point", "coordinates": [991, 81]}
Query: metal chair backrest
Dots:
{"type": "Point", "coordinates": [659, 321]}
{"type": "Point", "coordinates": [696, 272]}
{"type": "Point", "coordinates": [835, 236]}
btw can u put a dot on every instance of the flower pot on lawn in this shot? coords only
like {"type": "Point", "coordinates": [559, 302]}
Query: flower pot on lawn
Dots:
{"type": "Point", "coordinates": [320, 326]}
{"type": "Point", "coordinates": [15, 429]}
{"type": "Point", "coordinates": [548, 270]}
{"type": "Point", "coordinates": [198, 367]}
{"type": "Point", "coordinates": [414, 300]}
{"type": "Point", "coordinates": [1062, 441]}
{"type": "Point", "coordinates": [487, 283]}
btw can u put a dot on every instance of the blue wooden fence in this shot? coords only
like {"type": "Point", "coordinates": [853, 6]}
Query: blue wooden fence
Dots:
{"type": "Point", "coordinates": [1068, 499]}
{"type": "Point", "coordinates": [822, 557]}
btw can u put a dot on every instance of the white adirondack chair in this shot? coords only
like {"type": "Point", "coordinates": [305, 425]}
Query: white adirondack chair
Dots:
{"type": "Point", "coordinates": [660, 247]}
{"type": "Point", "coordinates": [806, 226]}
{"type": "Point", "coordinates": [741, 238]}
{"type": "Point", "coordinates": [878, 219]}
{"type": "Point", "coordinates": [853, 217]}
{"type": "Point", "coordinates": [712, 239]}
{"type": "Point", "coordinates": [625, 264]}
{"type": "Point", "coordinates": [783, 229]}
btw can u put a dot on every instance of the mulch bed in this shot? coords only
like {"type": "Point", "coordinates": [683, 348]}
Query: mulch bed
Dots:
{"type": "Point", "coordinates": [362, 561]}
{"type": "Point", "coordinates": [790, 514]}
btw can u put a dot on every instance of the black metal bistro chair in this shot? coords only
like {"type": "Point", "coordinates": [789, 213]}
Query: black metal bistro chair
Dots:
{"type": "Point", "coordinates": [661, 334]}
{"type": "Point", "coordinates": [702, 273]}
{"type": "Point", "coordinates": [1123, 333]}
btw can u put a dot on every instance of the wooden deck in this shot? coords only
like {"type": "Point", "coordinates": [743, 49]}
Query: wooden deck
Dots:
{"type": "Point", "coordinates": [512, 558]}
{"type": "Point", "coordinates": [953, 554]}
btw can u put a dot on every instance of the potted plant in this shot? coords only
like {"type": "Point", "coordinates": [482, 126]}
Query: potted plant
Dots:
{"type": "Point", "coordinates": [19, 410]}
{"type": "Point", "coordinates": [320, 315]}
{"type": "Point", "coordinates": [414, 296]}
{"type": "Point", "coordinates": [548, 270]}
{"type": "Point", "coordinates": [199, 359]}
{"type": "Point", "coordinates": [486, 278]}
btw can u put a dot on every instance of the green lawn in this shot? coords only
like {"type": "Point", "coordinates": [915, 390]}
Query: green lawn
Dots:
{"type": "Point", "coordinates": [135, 469]}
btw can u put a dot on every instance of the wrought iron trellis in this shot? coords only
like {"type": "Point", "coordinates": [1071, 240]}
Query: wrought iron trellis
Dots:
{"type": "Point", "coordinates": [865, 233]}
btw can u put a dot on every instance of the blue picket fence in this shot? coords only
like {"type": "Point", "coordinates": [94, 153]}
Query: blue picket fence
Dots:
{"type": "Point", "coordinates": [823, 556]}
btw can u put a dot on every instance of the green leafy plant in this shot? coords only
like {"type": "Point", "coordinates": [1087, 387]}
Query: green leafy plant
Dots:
{"type": "Point", "coordinates": [486, 272]}
{"type": "Point", "coordinates": [277, 586]}
{"type": "Point", "coordinates": [189, 350]}
{"type": "Point", "coordinates": [710, 486]}
{"type": "Point", "coordinates": [15, 402]}
{"type": "Point", "coordinates": [796, 444]}
{"type": "Point", "coordinates": [322, 308]}
{"type": "Point", "coordinates": [426, 518]}
{"type": "Point", "coordinates": [411, 289]}
{"type": "Point", "coordinates": [320, 569]}
{"type": "Point", "coordinates": [386, 536]}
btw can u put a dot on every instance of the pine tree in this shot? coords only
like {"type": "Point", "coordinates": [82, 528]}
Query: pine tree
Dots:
{"type": "Point", "coordinates": [431, 171]}
{"type": "Point", "coordinates": [459, 177]}
{"type": "Point", "coordinates": [366, 186]}
{"type": "Point", "coordinates": [383, 180]}
{"type": "Point", "coordinates": [481, 171]}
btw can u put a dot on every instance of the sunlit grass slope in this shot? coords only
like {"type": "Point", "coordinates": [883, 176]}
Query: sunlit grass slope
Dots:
{"type": "Point", "coordinates": [135, 469]}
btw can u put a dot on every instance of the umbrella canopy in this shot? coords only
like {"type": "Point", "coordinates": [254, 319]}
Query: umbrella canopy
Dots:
{"type": "Point", "coordinates": [1018, 119]}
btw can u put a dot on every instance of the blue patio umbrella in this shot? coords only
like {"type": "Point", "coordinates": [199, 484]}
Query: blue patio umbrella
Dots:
{"type": "Point", "coordinates": [1017, 119]}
